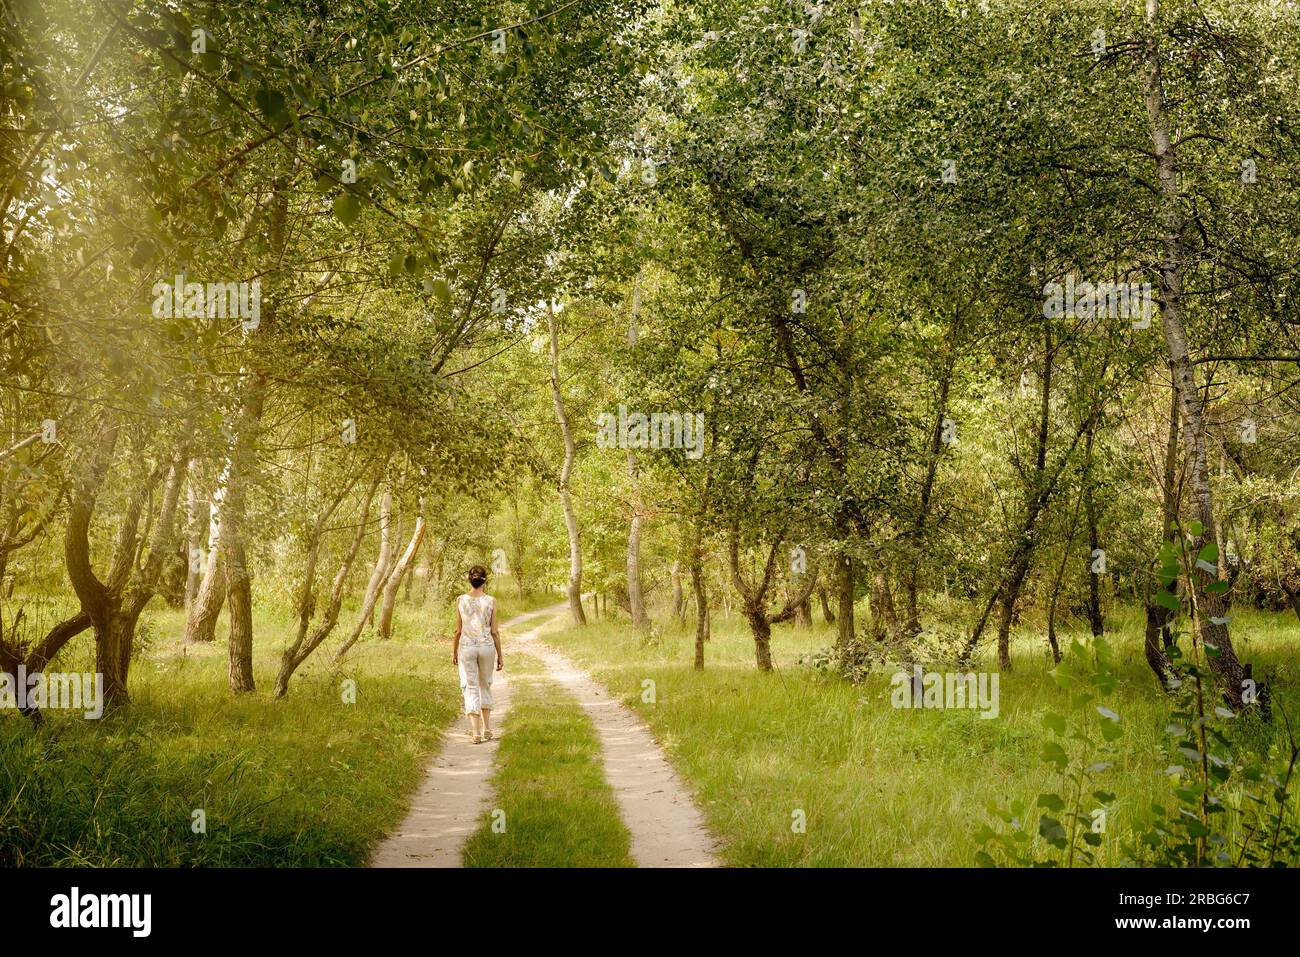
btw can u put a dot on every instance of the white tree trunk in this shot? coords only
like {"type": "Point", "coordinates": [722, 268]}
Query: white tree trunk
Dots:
{"type": "Point", "coordinates": [634, 600]}
{"type": "Point", "coordinates": [1211, 606]}
{"type": "Point", "coordinates": [570, 452]}
{"type": "Point", "coordinates": [395, 579]}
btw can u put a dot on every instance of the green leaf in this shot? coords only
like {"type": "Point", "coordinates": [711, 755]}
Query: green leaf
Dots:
{"type": "Point", "coordinates": [1051, 802]}
{"type": "Point", "coordinates": [1055, 755]}
{"type": "Point", "coordinates": [144, 252]}
{"type": "Point", "coordinates": [347, 208]}
{"type": "Point", "coordinates": [1165, 600]}
{"type": "Point", "coordinates": [270, 102]}
{"type": "Point", "coordinates": [302, 94]}
{"type": "Point", "coordinates": [1050, 829]}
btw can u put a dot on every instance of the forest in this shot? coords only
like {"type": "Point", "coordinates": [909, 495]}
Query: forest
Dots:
{"type": "Point", "coordinates": [895, 406]}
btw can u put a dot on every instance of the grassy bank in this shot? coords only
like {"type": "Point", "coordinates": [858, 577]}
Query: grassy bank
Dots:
{"type": "Point", "coordinates": [311, 780]}
{"type": "Point", "coordinates": [878, 786]}
{"type": "Point", "coordinates": [549, 785]}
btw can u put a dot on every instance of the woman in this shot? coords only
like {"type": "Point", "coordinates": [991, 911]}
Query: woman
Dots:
{"type": "Point", "coordinates": [476, 624]}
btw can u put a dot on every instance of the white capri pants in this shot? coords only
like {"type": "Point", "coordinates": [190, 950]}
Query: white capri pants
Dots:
{"type": "Point", "coordinates": [477, 662]}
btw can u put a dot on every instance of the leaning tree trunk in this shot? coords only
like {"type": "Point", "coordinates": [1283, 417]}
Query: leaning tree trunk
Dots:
{"type": "Point", "coordinates": [1016, 567]}
{"type": "Point", "coordinates": [1293, 598]}
{"type": "Point", "coordinates": [1211, 619]}
{"type": "Point", "coordinates": [566, 470]}
{"type": "Point", "coordinates": [828, 613]}
{"type": "Point", "coordinates": [383, 567]}
{"type": "Point", "coordinates": [39, 657]}
{"type": "Point", "coordinates": [305, 643]}
{"type": "Point", "coordinates": [378, 576]}
{"type": "Point", "coordinates": [1007, 606]}
{"type": "Point", "coordinates": [91, 592]}
{"type": "Point", "coordinates": [395, 579]}
{"type": "Point", "coordinates": [114, 605]}
{"type": "Point", "coordinates": [424, 572]}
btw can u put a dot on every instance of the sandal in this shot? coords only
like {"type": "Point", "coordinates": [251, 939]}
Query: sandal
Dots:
{"type": "Point", "coordinates": [487, 735]}
{"type": "Point", "coordinates": [477, 739]}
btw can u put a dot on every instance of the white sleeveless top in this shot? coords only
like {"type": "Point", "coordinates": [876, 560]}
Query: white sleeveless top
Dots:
{"type": "Point", "coordinates": [476, 619]}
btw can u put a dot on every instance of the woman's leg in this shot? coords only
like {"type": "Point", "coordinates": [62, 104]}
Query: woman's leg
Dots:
{"type": "Point", "coordinates": [469, 667]}
{"type": "Point", "coordinates": [487, 662]}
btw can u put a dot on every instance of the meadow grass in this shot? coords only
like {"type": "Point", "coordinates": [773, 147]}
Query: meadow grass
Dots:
{"type": "Point", "coordinates": [307, 781]}
{"type": "Point", "coordinates": [313, 780]}
{"type": "Point", "coordinates": [550, 785]}
{"type": "Point", "coordinates": [876, 785]}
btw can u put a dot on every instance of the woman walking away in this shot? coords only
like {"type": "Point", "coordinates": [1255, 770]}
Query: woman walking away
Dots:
{"type": "Point", "coordinates": [476, 652]}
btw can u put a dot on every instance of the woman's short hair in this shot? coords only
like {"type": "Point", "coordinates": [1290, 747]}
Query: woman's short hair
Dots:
{"type": "Point", "coordinates": [477, 575]}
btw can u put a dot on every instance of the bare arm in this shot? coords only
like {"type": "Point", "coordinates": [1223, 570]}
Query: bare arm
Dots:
{"type": "Point", "coordinates": [455, 640]}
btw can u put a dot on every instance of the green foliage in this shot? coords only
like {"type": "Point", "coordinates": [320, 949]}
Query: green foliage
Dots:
{"type": "Point", "coordinates": [1234, 805]}
{"type": "Point", "coordinates": [734, 222]}
{"type": "Point", "coordinates": [1231, 774]}
{"type": "Point", "coordinates": [1080, 747]}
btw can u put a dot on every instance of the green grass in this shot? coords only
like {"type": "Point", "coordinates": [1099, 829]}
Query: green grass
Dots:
{"type": "Point", "coordinates": [509, 604]}
{"type": "Point", "coordinates": [312, 781]}
{"type": "Point", "coordinates": [308, 781]}
{"type": "Point", "coordinates": [550, 784]}
{"type": "Point", "coordinates": [878, 786]}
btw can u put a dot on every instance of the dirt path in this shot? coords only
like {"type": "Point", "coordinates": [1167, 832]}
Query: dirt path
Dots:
{"type": "Point", "coordinates": [451, 800]}
{"type": "Point", "coordinates": [667, 828]}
